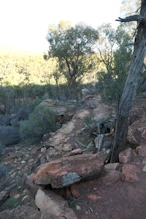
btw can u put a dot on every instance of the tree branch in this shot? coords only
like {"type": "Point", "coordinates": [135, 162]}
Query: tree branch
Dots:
{"type": "Point", "coordinates": [136, 17]}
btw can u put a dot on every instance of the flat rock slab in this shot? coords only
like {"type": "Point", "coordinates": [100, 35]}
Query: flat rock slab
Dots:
{"type": "Point", "coordinates": [69, 170]}
{"type": "Point", "coordinates": [53, 206]}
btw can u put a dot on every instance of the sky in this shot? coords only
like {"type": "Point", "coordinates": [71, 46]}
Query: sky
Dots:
{"type": "Point", "coordinates": [24, 23]}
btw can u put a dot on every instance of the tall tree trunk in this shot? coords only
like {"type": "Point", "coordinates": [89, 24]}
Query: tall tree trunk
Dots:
{"type": "Point", "coordinates": [131, 82]}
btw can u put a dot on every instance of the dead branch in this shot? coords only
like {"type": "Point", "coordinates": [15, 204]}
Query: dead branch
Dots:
{"type": "Point", "coordinates": [136, 17]}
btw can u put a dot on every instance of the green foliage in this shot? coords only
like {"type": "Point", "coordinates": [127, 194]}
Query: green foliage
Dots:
{"type": "Point", "coordinates": [3, 171]}
{"type": "Point", "coordinates": [116, 58]}
{"type": "Point", "coordinates": [72, 203]}
{"type": "Point", "coordinates": [41, 121]}
{"type": "Point", "coordinates": [11, 203]}
{"type": "Point", "coordinates": [72, 46]}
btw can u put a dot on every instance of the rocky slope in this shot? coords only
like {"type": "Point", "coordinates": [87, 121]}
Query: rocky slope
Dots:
{"type": "Point", "coordinates": [76, 138]}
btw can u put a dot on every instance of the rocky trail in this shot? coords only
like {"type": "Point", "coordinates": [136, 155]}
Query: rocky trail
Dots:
{"type": "Point", "coordinates": [70, 185]}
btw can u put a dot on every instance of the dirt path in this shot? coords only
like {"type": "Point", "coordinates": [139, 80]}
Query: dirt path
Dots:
{"type": "Point", "coordinates": [121, 200]}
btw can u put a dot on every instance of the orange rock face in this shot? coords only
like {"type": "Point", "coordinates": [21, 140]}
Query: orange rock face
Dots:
{"type": "Point", "coordinates": [68, 170]}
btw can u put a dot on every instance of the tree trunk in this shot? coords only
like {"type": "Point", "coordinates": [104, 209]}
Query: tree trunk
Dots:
{"type": "Point", "coordinates": [131, 84]}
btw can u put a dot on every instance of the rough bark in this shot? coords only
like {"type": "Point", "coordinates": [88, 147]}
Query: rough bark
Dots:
{"type": "Point", "coordinates": [131, 84]}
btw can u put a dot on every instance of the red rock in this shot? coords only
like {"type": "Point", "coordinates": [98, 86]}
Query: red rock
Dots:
{"type": "Point", "coordinates": [74, 190]}
{"type": "Point", "coordinates": [135, 132]}
{"type": "Point", "coordinates": [136, 114]}
{"type": "Point", "coordinates": [143, 135]}
{"type": "Point", "coordinates": [112, 166]}
{"type": "Point", "coordinates": [94, 197]}
{"type": "Point", "coordinates": [126, 156]}
{"type": "Point", "coordinates": [111, 177]}
{"type": "Point", "coordinates": [129, 172]}
{"type": "Point", "coordinates": [69, 170]}
{"type": "Point", "coordinates": [141, 150]}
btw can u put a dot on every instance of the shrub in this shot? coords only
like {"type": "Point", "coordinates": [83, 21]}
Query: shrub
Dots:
{"type": "Point", "coordinates": [41, 121]}
{"type": "Point", "coordinates": [11, 203]}
{"type": "Point", "coordinates": [2, 171]}
{"type": "Point", "coordinates": [1, 149]}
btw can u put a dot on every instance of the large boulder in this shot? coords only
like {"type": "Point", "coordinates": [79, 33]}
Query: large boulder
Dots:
{"type": "Point", "coordinates": [69, 170]}
{"type": "Point", "coordinates": [53, 206]}
{"type": "Point", "coordinates": [9, 135]}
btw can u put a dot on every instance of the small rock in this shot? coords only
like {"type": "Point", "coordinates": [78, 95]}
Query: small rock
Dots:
{"type": "Point", "coordinates": [75, 192]}
{"type": "Point", "coordinates": [78, 208]}
{"type": "Point", "coordinates": [43, 160]}
{"type": "Point", "coordinates": [30, 161]}
{"type": "Point", "coordinates": [94, 197]}
{"type": "Point", "coordinates": [129, 172]}
{"type": "Point", "coordinates": [43, 150]}
{"type": "Point", "coordinates": [30, 185]}
{"type": "Point", "coordinates": [144, 168]}
{"type": "Point", "coordinates": [143, 135]}
{"type": "Point", "coordinates": [67, 147]}
{"type": "Point", "coordinates": [111, 177]}
{"type": "Point", "coordinates": [126, 156]}
{"type": "Point", "coordinates": [74, 152]}
{"type": "Point", "coordinates": [141, 150]}
{"type": "Point", "coordinates": [50, 152]}
{"type": "Point", "coordinates": [112, 166]}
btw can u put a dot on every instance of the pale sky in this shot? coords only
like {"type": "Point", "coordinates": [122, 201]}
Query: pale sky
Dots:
{"type": "Point", "coordinates": [24, 23]}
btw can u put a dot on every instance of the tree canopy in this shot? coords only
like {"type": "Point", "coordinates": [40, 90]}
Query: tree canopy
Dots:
{"type": "Point", "coordinates": [72, 46]}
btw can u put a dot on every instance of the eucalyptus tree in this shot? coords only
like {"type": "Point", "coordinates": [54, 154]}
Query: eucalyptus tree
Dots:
{"type": "Point", "coordinates": [73, 47]}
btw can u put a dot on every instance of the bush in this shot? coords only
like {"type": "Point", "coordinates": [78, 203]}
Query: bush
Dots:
{"type": "Point", "coordinates": [2, 171]}
{"type": "Point", "coordinates": [11, 203]}
{"type": "Point", "coordinates": [41, 121]}
{"type": "Point", "coordinates": [9, 135]}
{"type": "Point", "coordinates": [1, 149]}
